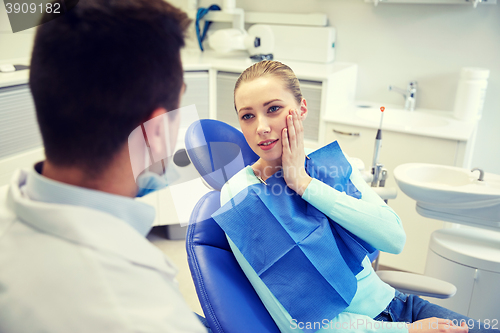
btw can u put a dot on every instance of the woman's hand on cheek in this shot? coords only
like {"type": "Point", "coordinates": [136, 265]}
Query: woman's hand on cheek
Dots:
{"type": "Point", "coordinates": [293, 157]}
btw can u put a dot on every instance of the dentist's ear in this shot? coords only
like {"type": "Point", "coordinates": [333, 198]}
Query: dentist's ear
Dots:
{"type": "Point", "coordinates": [161, 129]}
{"type": "Point", "coordinates": [303, 109]}
{"type": "Point", "coordinates": [154, 129]}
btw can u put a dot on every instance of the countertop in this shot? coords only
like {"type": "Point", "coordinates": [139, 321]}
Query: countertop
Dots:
{"type": "Point", "coordinates": [425, 122]}
{"type": "Point", "coordinates": [194, 60]}
{"type": "Point", "coordinates": [237, 62]}
{"type": "Point", "coordinates": [17, 77]}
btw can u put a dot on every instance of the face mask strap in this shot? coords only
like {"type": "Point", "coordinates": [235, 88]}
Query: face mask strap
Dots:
{"type": "Point", "coordinates": [148, 147]}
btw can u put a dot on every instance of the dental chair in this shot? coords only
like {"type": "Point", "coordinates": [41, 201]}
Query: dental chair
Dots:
{"type": "Point", "coordinates": [229, 302]}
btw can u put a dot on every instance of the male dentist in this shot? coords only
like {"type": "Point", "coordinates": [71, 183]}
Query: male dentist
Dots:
{"type": "Point", "coordinates": [73, 256]}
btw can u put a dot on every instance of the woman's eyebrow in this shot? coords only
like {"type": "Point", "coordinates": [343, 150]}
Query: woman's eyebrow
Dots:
{"type": "Point", "coordinates": [248, 108]}
{"type": "Point", "coordinates": [273, 100]}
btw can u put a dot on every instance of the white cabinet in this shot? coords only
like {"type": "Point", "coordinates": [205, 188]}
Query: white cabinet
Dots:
{"type": "Point", "coordinates": [477, 289]}
{"type": "Point", "coordinates": [20, 139]}
{"type": "Point", "coordinates": [18, 126]}
{"type": "Point", "coordinates": [312, 92]}
{"type": "Point", "coordinates": [225, 100]}
{"type": "Point", "coordinates": [485, 303]}
{"type": "Point", "coordinates": [197, 92]}
{"type": "Point", "coordinates": [398, 148]}
{"type": "Point", "coordinates": [449, 271]}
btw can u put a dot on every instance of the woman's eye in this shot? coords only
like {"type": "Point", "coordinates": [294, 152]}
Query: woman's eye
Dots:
{"type": "Point", "coordinates": [246, 116]}
{"type": "Point", "coordinates": [274, 108]}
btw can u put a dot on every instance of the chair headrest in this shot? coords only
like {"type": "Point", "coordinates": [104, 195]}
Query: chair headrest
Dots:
{"type": "Point", "coordinates": [218, 151]}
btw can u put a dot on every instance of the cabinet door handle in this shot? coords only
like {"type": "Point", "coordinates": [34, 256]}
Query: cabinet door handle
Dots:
{"type": "Point", "coordinates": [347, 133]}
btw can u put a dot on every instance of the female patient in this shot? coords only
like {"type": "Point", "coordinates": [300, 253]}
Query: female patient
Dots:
{"type": "Point", "coordinates": [271, 109]}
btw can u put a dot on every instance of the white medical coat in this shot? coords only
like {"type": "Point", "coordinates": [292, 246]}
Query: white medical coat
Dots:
{"type": "Point", "coordinates": [72, 269]}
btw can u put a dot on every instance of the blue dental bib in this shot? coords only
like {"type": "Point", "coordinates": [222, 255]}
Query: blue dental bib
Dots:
{"type": "Point", "coordinates": [307, 261]}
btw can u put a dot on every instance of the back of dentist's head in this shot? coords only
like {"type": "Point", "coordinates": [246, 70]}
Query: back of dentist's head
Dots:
{"type": "Point", "coordinates": [271, 68]}
{"type": "Point", "coordinates": [99, 71]}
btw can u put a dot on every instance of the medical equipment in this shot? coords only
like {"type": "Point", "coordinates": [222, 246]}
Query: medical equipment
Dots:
{"type": "Point", "coordinates": [317, 44]}
{"type": "Point", "coordinates": [276, 40]}
{"type": "Point", "coordinates": [378, 172]}
{"type": "Point", "coordinates": [258, 41]}
{"type": "Point", "coordinates": [199, 15]}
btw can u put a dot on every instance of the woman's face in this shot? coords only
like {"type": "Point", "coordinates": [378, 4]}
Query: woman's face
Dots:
{"type": "Point", "coordinates": [263, 105]}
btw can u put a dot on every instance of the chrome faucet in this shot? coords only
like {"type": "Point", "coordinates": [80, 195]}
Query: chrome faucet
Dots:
{"type": "Point", "coordinates": [410, 94]}
{"type": "Point", "coordinates": [481, 173]}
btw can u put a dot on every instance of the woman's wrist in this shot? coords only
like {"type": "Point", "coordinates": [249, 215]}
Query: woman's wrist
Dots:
{"type": "Point", "coordinates": [302, 183]}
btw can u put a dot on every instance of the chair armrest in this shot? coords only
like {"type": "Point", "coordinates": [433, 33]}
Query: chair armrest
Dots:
{"type": "Point", "coordinates": [416, 284]}
{"type": "Point", "coordinates": [386, 193]}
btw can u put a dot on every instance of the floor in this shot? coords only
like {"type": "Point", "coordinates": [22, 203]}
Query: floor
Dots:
{"type": "Point", "coordinates": [176, 251]}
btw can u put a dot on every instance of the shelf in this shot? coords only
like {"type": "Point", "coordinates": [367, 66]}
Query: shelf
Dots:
{"type": "Point", "coordinates": [473, 3]}
{"type": "Point", "coordinates": [313, 19]}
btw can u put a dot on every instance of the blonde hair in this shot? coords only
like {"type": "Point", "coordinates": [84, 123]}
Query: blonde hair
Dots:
{"type": "Point", "coordinates": [271, 68]}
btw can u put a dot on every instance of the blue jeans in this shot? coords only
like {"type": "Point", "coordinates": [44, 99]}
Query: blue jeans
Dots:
{"type": "Point", "coordinates": [411, 308]}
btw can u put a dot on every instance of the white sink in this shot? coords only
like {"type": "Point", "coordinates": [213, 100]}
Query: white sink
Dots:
{"type": "Point", "coordinates": [394, 116]}
{"type": "Point", "coordinates": [451, 193]}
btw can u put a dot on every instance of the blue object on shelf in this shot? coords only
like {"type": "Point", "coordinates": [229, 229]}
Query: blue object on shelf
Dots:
{"type": "Point", "coordinates": [199, 15]}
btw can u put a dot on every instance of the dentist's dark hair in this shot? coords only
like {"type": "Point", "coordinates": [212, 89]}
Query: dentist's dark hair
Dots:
{"type": "Point", "coordinates": [99, 71]}
{"type": "Point", "coordinates": [271, 68]}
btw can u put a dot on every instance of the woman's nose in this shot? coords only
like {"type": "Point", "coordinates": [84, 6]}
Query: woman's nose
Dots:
{"type": "Point", "coordinates": [263, 126]}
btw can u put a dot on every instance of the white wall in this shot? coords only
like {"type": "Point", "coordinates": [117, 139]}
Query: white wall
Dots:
{"type": "Point", "coordinates": [18, 45]}
{"type": "Point", "coordinates": [396, 43]}
{"type": "Point", "coordinates": [392, 44]}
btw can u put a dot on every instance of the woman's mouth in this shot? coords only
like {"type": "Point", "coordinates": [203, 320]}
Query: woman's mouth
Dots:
{"type": "Point", "coordinates": [268, 144]}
